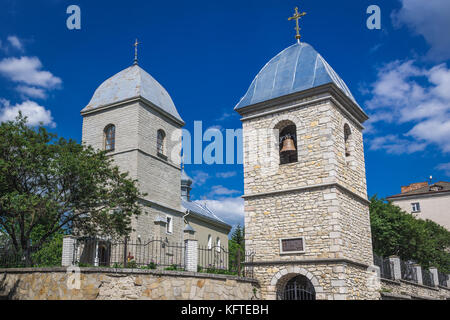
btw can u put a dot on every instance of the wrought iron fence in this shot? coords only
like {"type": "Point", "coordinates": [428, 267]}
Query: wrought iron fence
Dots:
{"type": "Point", "coordinates": [12, 258]}
{"type": "Point", "coordinates": [427, 278]}
{"type": "Point", "coordinates": [409, 272]}
{"type": "Point", "coordinates": [153, 254]}
{"type": "Point", "coordinates": [385, 265]}
{"type": "Point", "coordinates": [442, 277]}
{"type": "Point", "coordinates": [219, 260]}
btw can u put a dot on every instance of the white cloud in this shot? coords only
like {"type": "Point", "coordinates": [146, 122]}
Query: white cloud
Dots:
{"type": "Point", "coordinates": [444, 167]}
{"type": "Point", "coordinates": [27, 70]}
{"type": "Point", "coordinates": [226, 175]}
{"type": "Point", "coordinates": [34, 112]}
{"type": "Point", "coordinates": [231, 210]}
{"type": "Point", "coordinates": [405, 94]}
{"type": "Point", "coordinates": [31, 92]}
{"type": "Point", "coordinates": [15, 42]}
{"type": "Point", "coordinates": [221, 191]}
{"type": "Point", "coordinates": [199, 177]}
{"type": "Point", "coordinates": [431, 19]}
{"type": "Point", "coordinates": [395, 145]}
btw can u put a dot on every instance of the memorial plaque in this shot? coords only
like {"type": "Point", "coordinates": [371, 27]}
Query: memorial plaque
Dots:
{"type": "Point", "coordinates": [292, 245]}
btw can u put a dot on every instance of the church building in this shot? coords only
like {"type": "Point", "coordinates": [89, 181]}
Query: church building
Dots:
{"type": "Point", "coordinates": [134, 119]}
{"type": "Point", "coordinates": [306, 207]}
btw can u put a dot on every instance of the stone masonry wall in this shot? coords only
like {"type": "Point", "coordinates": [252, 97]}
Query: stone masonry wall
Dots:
{"type": "Point", "coordinates": [331, 281]}
{"type": "Point", "coordinates": [354, 228]}
{"type": "Point", "coordinates": [110, 284]}
{"type": "Point", "coordinates": [262, 171]}
{"type": "Point", "coordinates": [400, 289]}
{"type": "Point", "coordinates": [295, 214]}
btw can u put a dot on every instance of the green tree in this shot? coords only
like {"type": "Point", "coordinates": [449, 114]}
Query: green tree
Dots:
{"type": "Point", "coordinates": [235, 244]}
{"type": "Point", "coordinates": [395, 232]}
{"type": "Point", "coordinates": [48, 185]}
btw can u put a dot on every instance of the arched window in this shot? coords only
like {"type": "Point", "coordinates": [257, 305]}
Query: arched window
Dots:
{"type": "Point", "coordinates": [110, 137]}
{"type": "Point", "coordinates": [288, 142]}
{"type": "Point", "coordinates": [160, 142]}
{"type": "Point", "coordinates": [347, 139]}
{"type": "Point", "coordinates": [209, 242]}
{"type": "Point", "coordinates": [218, 244]}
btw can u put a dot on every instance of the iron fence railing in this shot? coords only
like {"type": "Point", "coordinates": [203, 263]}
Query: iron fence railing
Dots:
{"type": "Point", "coordinates": [442, 277]}
{"type": "Point", "coordinates": [408, 270]}
{"type": "Point", "coordinates": [427, 278]}
{"type": "Point", "coordinates": [385, 265]}
{"type": "Point", "coordinates": [217, 259]}
{"type": "Point", "coordinates": [12, 258]}
{"type": "Point", "coordinates": [153, 254]}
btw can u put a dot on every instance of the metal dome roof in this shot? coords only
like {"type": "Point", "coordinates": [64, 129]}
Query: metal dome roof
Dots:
{"type": "Point", "coordinates": [130, 83]}
{"type": "Point", "coordinates": [297, 68]}
{"type": "Point", "coordinates": [185, 179]}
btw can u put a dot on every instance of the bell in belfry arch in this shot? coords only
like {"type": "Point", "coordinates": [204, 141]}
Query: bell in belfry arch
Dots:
{"type": "Point", "coordinates": [288, 145]}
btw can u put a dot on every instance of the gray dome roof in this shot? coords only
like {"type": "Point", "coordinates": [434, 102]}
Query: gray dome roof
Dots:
{"type": "Point", "coordinates": [297, 68]}
{"type": "Point", "coordinates": [185, 179]}
{"type": "Point", "coordinates": [130, 83]}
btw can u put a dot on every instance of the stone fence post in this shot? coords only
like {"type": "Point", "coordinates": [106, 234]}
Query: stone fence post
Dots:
{"type": "Point", "coordinates": [434, 272]}
{"type": "Point", "coordinates": [419, 273]}
{"type": "Point", "coordinates": [396, 268]}
{"type": "Point", "coordinates": [68, 250]}
{"type": "Point", "coordinates": [191, 255]}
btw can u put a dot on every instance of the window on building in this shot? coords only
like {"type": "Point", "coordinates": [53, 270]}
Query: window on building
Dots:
{"type": "Point", "coordinates": [287, 142]}
{"type": "Point", "coordinates": [347, 139]}
{"type": "Point", "coordinates": [209, 242]}
{"type": "Point", "coordinates": [110, 137]}
{"type": "Point", "coordinates": [218, 244]}
{"type": "Point", "coordinates": [415, 207]}
{"type": "Point", "coordinates": [169, 225]}
{"type": "Point", "coordinates": [160, 142]}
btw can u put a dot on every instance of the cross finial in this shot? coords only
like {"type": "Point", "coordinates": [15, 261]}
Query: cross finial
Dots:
{"type": "Point", "coordinates": [297, 17]}
{"type": "Point", "coordinates": [136, 51]}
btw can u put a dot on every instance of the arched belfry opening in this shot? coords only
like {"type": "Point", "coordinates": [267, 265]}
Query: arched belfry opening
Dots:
{"type": "Point", "coordinates": [297, 288]}
{"type": "Point", "coordinates": [287, 142]}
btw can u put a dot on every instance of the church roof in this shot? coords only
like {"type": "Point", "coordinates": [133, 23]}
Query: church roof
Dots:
{"type": "Point", "coordinates": [297, 68]}
{"type": "Point", "coordinates": [131, 83]}
{"type": "Point", "coordinates": [203, 211]}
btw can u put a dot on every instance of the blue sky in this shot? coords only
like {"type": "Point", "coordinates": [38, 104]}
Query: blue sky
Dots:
{"type": "Point", "coordinates": [206, 54]}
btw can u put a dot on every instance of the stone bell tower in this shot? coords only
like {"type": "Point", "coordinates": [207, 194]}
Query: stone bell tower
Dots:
{"type": "Point", "coordinates": [306, 208]}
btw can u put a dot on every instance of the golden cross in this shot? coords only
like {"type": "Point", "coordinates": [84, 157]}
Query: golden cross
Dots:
{"type": "Point", "coordinates": [136, 51]}
{"type": "Point", "coordinates": [297, 17]}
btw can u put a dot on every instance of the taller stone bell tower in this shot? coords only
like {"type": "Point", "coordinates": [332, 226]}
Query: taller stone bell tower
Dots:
{"type": "Point", "coordinates": [306, 208]}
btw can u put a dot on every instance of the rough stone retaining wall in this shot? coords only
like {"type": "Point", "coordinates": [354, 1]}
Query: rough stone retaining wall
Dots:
{"type": "Point", "coordinates": [405, 290]}
{"type": "Point", "coordinates": [112, 284]}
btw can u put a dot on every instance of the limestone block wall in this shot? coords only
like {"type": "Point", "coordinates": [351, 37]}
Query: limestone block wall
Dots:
{"type": "Point", "coordinates": [112, 284]}
{"type": "Point", "coordinates": [331, 280]}
{"type": "Point", "coordinates": [315, 165]}
{"type": "Point", "coordinates": [354, 234]}
{"type": "Point", "coordinates": [124, 118]}
{"type": "Point", "coordinates": [351, 170]}
{"type": "Point", "coordinates": [287, 215]}
{"type": "Point", "coordinates": [401, 289]}
{"type": "Point", "coordinates": [160, 180]}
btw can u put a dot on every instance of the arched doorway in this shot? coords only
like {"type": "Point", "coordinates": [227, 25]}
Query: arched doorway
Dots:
{"type": "Point", "coordinates": [298, 288]}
